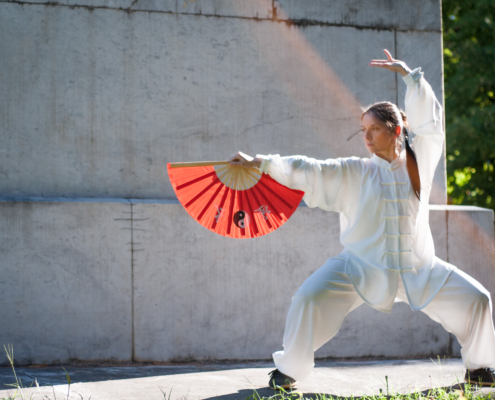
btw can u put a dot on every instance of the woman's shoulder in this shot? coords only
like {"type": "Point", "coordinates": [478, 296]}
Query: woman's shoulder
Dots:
{"type": "Point", "coordinates": [353, 167]}
{"type": "Point", "coordinates": [354, 162]}
{"type": "Point", "coordinates": [351, 164]}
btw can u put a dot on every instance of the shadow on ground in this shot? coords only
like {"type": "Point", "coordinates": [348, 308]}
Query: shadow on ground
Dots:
{"type": "Point", "coordinates": [55, 375]}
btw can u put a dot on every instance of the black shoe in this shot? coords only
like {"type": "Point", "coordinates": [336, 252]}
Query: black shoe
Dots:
{"type": "Point", "coordinates": [481, 377]}
{"type": "Point", "coordinates": [279, 380]}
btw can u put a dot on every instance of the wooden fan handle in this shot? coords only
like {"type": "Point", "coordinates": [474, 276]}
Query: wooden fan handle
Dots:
{"type": "Point", "coordinates": [198, 164]}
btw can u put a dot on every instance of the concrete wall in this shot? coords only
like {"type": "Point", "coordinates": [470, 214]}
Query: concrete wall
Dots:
{"type": "Point", "coordinates": [98, 95]}
{"type": "Point", "coordinates": [66, 279]}
{"type": "Point", "coordinates": [141, 280]}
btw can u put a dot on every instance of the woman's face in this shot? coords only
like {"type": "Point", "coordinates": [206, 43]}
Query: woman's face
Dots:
{"type": "Point", "coordinates": [377, 136]}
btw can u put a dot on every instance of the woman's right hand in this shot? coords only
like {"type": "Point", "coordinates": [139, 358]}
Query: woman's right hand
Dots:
{"type": "Point", "coordinates": [243, 160]}
{"type": "Point", "coordinates": [391, 64]}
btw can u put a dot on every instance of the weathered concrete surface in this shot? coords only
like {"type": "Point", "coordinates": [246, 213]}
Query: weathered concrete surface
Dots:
{"type": "Point", "coordinates": [232, 293]}
{"type": "Point", "coordinates": [65, 286]}
{"type": "Point", "coordinates": [203, 296]}
{"type": "Point", "coordinates": [380, 14]}
{"type": "Point", "coordinates": [69, 266]}
{"type": "Point", "coordinates": [98, 100]}
{"type": "Point", "coordinates": [224, 8]}
{"type": "Point", "coordinates": [238, 381]}
{"type": "Point", "coordinates": [262, 9]}
{"type": "Point", "coordinates": [472, 225]}
{"type": "Point", "coordinates": [115, 4]}
{"type": "Point", "coordinates": [401, 15]}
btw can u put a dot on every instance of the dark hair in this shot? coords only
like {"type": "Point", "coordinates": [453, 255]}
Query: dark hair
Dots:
{"type": "Point", "coordinates": [386, 112]}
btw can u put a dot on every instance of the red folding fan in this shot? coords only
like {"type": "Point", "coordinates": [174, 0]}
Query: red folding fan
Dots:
{"type": "Point", "coordinates": [235, 202]}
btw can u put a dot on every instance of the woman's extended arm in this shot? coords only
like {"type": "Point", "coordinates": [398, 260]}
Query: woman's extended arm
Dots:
{"type": "Point", "coordinates": [424, 112]}
{"type": "Point", "coordinates": [424, 115]}
{"type": "Point", "coordinates": [327, 184]}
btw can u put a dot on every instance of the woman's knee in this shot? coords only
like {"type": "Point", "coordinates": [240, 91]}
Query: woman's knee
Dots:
{"type": "Point", "coordinates": [480, 299]}
{"type": "Point", "coordinates": [329, 280]}
{"type": "Point", "coordinates": [309, 293]}
{"type": "Point", "coordinates": [483, 298]}
{"type": "Point", "coordinates": [468, 288]}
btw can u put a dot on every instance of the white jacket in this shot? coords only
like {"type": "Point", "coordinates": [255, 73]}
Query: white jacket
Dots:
{"type": "Point", "coordinates": [384, 228]}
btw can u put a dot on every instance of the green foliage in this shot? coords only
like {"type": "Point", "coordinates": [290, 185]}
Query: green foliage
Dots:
{"type": "Point", "coordinates": [469, 61]}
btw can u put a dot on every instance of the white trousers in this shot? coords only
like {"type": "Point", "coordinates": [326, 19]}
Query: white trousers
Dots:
{"type": "Point", "coordinates": [462, 306]}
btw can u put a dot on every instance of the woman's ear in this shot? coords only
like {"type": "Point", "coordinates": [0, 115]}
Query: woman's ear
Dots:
{"type": "Point", "coordinates": [397, 131]}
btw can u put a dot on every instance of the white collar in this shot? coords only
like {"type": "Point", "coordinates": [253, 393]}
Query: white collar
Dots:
{"type": "Point", "coordinates": [385, 164]}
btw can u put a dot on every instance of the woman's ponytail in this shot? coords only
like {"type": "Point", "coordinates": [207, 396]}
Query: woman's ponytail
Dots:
{"type": "Point", "coordinates": [405, 131]}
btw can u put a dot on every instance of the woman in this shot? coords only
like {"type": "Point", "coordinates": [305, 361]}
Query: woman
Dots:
{"type": "Point", "coordinates": [388, 248]}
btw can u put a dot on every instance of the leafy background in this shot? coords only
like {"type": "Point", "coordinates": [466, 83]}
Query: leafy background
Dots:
{"type": "Point", "coordinates": [469, 67]}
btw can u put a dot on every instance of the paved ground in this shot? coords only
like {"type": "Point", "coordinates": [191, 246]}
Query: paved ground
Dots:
{"type": "Point", "coordinates": [231, 381]}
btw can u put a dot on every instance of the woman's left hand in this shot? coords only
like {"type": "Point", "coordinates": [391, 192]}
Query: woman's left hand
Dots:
{"type": "Point", "coordinates": [391, 64]}
{"type": "Point", "coordinates": [243, 160]}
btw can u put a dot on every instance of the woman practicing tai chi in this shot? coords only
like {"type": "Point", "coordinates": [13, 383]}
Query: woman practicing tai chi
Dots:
{"type": "Point", "coordinates": [388, 248]}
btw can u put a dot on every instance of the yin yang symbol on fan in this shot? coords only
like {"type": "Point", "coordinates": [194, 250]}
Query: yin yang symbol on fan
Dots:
{"type": "Point", "coordinates": [241, 219]}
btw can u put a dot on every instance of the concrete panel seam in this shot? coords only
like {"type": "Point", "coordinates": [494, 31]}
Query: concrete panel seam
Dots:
{"type": "Point", "coordinates": [450, 349]}
{"type": "Point", "coordinates": [132, 250]}
{"type": "Point", "coordinates": [289, 22]}
{"type": "Point", "coordinates": [133, 349]}
{"type": "Point", "coordinates": [447, 233]}
{"type": "Point", "coordinates": [450, 345]}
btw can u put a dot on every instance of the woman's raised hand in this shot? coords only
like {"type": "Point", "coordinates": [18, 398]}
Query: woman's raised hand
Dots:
{"type": "Point", "coordinates": [391, 64]}
{"type": "Point", "coordinates": [243, 160]}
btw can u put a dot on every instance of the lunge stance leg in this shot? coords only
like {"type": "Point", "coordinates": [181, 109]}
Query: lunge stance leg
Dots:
{"type": "Point", "coordinates": [464, 308]}
{"type": "Point", "coordinates": [315, 316]}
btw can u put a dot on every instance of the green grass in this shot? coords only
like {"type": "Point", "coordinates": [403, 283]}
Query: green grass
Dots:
{"type": "Point", "coordinates": [19, 388]}
{"type": "Point", "coordinates": [433, 394]}
{"type": "Point", "coordinates": [465, 392]}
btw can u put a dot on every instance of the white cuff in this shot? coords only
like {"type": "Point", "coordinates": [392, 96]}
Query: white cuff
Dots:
{"type": "Point", "coordinates": [414, 76]}
{"type": "Point", "coordinates": [265, 163]}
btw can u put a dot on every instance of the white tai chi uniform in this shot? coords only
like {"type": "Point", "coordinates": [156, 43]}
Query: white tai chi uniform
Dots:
{"type": "Point", "coordinates": [389, 252]}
